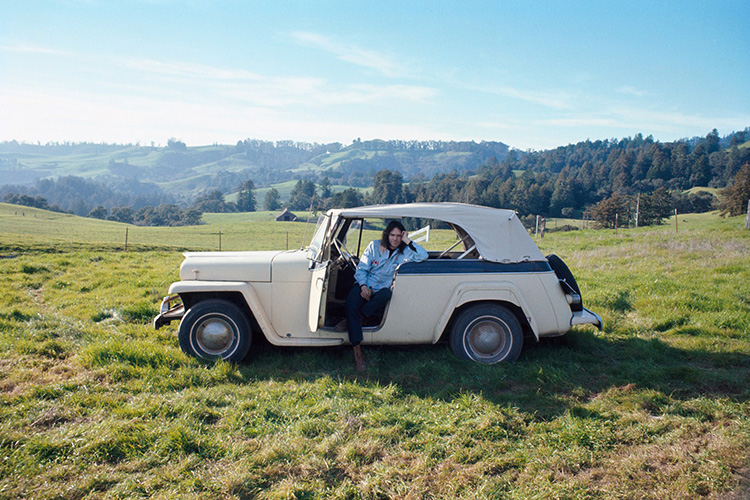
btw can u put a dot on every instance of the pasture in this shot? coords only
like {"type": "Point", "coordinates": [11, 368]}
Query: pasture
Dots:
{"type": "Point", "coordinates": [96, 404]}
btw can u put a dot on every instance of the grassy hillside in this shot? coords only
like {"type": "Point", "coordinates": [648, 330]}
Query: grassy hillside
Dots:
{"type": "Point", "coordinates": [714, 191]}
{"type": "Point", "coordinates": [187, 171]}
{"type": "Point", "coordinates": [96, 404]}
{"type": "Point", "coordinates": [22, 226]}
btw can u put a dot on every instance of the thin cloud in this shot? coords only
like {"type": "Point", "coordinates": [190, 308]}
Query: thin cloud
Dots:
{"type": "Point", "coordinates": [584, 121]}
{"type": "Point", "coordinates": [622, 118]}
{"type": "Point", "coordinates": [68, 115]}
{"type": "Point", "coordinates": [316, 92]}
{"type": "Point", "coordinates": [189, 70]}
{"type": "Point", "coordinates": [628, 90]}
{"type": "Point", "coordinates": [352, 54]}
{"type": "Point", "coordinates": [186, 79]}
{"type": "Point", "coordinates": [550, 99]}
{"type": "Point", "coordinates": [32, 49]}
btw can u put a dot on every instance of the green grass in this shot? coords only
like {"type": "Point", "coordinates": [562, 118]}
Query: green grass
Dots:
{"type": "Point", "coordinates": [96, 404]}
{"type": "Point", "coordinates": [701, 189]}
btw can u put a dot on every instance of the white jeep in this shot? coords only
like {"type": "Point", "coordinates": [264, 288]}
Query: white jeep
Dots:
{"type": "Point", "coordinates": [483, 294]}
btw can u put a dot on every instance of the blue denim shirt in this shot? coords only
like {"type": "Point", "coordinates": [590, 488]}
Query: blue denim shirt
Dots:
{"type": "Point", "coordinates": [376, 268]}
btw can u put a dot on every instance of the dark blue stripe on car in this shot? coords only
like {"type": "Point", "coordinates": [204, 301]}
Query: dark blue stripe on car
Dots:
{"type": "Point", "coordinates": [454, 266]}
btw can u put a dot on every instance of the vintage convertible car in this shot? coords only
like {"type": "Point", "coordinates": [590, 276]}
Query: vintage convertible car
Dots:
{"type": "Point", "coordinates": [483, 294]}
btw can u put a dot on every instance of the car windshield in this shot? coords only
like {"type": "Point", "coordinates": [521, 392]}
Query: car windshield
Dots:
{"type": "Point", "coordinates": [318, 237]}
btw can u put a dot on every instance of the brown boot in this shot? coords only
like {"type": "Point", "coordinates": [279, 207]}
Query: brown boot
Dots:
{"type": "Point", "coordinates": [359, 359]}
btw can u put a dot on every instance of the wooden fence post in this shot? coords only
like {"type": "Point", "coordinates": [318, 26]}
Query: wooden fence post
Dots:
{"type": "Point", "coordinates": [675, 221]}
{"type": "Point", "coordinates": [747, 219]}
{"type": "Point", "coordinates": [637, 209]}
{"type": "Point", "coordinates": [126, 238]}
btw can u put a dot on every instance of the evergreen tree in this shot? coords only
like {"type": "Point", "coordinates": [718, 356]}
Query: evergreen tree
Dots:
{"type": "Point", "coordinates": [272, 200]}
{"type": "Point", "coordinates": [387, 187]}
{"type": "Point", "coordinates": [121, 214]}
{"type": "Point", "coordinates": [214, 202]}
{"type": "Point", "coordinates": [654, 208]}
{"type": "Point", "coordinates": [98, 213]}
{"type": "Point", "coordinates": [246, 197]}
{"type": "Point", "coordinates": [611, 211]}
{"type": "Point", "coordinates": [735, 197]}
{"type": "Point", "coordinates": [347, 198]}
{"type": "Point", "coordinates": [302, 195]}
{"type": "Point", "coordinates": [325, 188]}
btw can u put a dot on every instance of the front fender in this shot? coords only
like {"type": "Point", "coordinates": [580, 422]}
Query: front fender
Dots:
{"type": "Point", "coordinates": [495, 291]}
{"type": "Point", "coordinates": [218, 287]}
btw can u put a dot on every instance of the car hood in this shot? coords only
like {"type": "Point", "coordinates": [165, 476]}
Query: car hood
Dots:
{"type": "Point", "coordinates": [227, 266]}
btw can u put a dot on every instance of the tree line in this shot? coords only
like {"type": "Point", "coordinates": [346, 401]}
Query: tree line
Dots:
{"type": "Point", "coordinates": [632, 181]}
{"type": "Point", "coordinates": [635, 181]}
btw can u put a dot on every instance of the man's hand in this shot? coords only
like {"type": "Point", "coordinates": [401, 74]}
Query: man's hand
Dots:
{"type": "Point", "coordinates": [405, 237]}
{"type": "Point", "coordinates": [365, 292]}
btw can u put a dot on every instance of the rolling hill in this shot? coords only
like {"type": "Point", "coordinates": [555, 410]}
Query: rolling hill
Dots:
{"type": "Point", "coordinates": [180, 170]}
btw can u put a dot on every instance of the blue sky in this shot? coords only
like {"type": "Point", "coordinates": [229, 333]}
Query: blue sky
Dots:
{"type": "Point", "coordinates": [532, 74]}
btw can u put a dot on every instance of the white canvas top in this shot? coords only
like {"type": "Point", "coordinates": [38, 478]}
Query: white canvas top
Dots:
{"type": "Point", "coordinates": [498, 234]}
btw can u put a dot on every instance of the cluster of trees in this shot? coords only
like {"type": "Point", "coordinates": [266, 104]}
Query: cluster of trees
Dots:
{"type": "Point", "coordinates": [625, 210]}
{"type": "Point", "coordinates": [640, 164]}
{"type": "Point", "coordinates": [162, 215]}
{"type": "Point", "coordinates": [214, 200]}
{"type": "Point", "coordinates": [173, 215]}
{"type": "Point", "coordinates": [569, 181]}
{"type": "Point", "coordinates": [736, 196]}
{"type": "Point", "coordinates": [30, 201]}
{"type": "Point", "coordinates": [79, 196]}
{"type": "Point", "coordinates": [306, 195]}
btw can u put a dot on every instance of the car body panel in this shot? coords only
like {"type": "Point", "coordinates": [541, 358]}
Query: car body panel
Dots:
{"type": "Point", "coordinates": [250, 267]}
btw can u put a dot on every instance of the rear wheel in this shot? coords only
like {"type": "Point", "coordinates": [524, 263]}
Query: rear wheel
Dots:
{"type": "Point", "coordinates": [487, 333]}
{"type": "Point", "coordinates": [215, 329]}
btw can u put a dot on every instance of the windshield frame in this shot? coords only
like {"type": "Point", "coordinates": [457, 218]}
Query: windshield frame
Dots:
{"type": "Point", "coordinates": [318, 241]}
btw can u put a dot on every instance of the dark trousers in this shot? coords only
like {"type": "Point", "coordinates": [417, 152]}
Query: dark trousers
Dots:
{"type": "Point", "coordinates": [355, 305]}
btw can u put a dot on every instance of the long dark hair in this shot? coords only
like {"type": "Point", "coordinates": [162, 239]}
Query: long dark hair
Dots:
{"type": "Point", "coordinates": [394, 224]}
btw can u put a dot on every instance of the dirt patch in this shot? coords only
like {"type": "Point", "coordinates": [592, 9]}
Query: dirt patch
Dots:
{"type": "Point", "coordinates": [742, 491]}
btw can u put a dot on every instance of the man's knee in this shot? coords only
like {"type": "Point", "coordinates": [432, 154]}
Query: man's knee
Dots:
{"type": "Point", "coordinates": [353, 295]}
{"type": "Point", "coordinates": [354, 300]}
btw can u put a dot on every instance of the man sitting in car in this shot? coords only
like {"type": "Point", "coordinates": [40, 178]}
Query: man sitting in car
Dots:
{"type": "Point", "coordinates": [373, 278]}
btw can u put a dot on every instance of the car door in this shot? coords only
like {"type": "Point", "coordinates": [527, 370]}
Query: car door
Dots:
{"type": "Point", "coordinates": [321, 270]}
{"type": "Point", "coordinates": [318, 289]}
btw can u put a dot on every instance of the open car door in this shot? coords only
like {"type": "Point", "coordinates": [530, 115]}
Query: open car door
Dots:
{"type": "Point", "coordinates": [318, 288]}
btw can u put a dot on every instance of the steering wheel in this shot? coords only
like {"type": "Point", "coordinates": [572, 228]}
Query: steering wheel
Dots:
{"type": "Point", "coordinates": [348, 258]}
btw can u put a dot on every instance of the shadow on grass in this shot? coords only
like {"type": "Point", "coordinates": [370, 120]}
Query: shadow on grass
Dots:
{"type": "Point", "coordinates": [549, 378]}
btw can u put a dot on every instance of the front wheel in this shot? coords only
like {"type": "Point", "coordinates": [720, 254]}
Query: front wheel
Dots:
{"type": "Point", "coordinates": [215, 329]}
{"type": "Point", "coordinates": [487, 333]}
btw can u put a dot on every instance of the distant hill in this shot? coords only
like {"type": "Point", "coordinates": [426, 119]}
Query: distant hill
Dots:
{"type": "Point", "coordinates": [564, 181]}
{"type": "Point", "coordinates": [184, 171]}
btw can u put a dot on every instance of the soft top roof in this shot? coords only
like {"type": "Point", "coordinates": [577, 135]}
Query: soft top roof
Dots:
{"type": "Point", "coordinates": [498, 234]}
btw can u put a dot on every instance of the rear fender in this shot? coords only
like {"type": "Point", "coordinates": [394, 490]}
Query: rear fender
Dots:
{"type": "Point", "coordinates": [494, 291]}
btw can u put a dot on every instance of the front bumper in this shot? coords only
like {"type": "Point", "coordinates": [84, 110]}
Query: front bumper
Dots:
{"type": "Point", "coordinates": [169, 312]}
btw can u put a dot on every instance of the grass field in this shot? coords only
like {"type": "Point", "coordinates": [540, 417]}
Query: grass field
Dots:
{"type": "Point", "coordinates": [96, 404]}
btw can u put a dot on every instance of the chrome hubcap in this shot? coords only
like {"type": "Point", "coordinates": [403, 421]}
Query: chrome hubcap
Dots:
{"type": "Point", "coordinates": [215, 335]}
{"type": "Point", "coordinates": [487, 337]}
